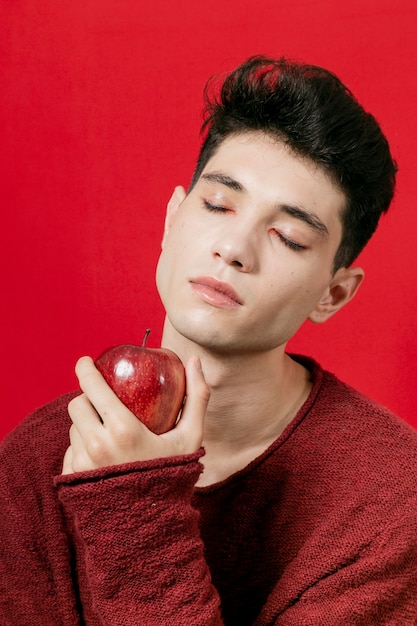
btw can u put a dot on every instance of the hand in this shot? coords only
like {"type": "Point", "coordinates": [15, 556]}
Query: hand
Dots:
{"type": "Point", "coordinates": [104, 432]}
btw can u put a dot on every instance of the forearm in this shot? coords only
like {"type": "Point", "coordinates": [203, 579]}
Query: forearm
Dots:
{"type": "Point", "coordinates": [35, 579]}
{"type": "Point", "coordinates": [141, 544]}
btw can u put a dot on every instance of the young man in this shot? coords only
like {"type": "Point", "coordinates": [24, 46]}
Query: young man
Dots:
{"type": "Point", "coordinates": [282, 496]}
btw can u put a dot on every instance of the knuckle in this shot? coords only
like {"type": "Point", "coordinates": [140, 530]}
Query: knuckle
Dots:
{"type": "Point", "coordinates": [74, 405]}
{"type": "Point", "coordinates": [205, 392]}
{"type": "Point", "coordinates": [72, 432]}
{"type": "Point", "coordinates": [200, 392]}
{"type": "Point", "coordinates": [122, 433]}
{"type": "Point", "coordinates": [79, 464]}
{"type": "Point", "coordinates": [96, 449]}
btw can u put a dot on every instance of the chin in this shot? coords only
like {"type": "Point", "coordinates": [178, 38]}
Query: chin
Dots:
{"type": "Point", "coordinates": [200, 332]}
{"type": "Point", "coordinates": [220, 340]}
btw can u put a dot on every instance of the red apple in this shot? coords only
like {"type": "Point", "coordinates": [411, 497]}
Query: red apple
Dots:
{"type": "Point", "coordinates": [149, 381]}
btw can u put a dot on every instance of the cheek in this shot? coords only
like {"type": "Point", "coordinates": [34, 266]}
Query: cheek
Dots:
{"type": "Point", "coordinates": [178, 238]}
{"type": "Point", "coordinates": [159, 276]}
{"type": "Point", "coordinates": [298, 294]}
{"type": "Point", "coordinates": [166, 265]}
{"type": "Point", "coordinates": [173, 259]}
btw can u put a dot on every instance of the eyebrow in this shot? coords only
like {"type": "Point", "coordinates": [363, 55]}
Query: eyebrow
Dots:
{"type": "Point", "coordinates": [223, 179]}
{"type": "Point", "coordinates": [307, 217]}
{"type": "Point", "coordinates": [297, 212]}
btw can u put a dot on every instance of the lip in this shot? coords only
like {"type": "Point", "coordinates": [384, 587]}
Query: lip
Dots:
{"type": "Point", "coordinates": [216, 292]}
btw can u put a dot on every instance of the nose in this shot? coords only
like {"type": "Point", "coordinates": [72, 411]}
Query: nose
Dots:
{"type": "Point", "coordinates": [237, 247]}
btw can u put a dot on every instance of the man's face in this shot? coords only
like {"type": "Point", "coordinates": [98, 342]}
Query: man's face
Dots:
{"type": "Point", "coordinates": [248, 253]}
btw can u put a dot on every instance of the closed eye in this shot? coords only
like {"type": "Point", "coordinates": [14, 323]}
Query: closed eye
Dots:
{"type": "Point", "coordinates": [287, 241]}
{"type": "Point", "coordinates": [214, 208]}
{"type": "Point", "coordinates": [290, 243]}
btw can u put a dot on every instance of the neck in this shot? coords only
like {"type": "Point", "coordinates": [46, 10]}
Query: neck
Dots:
{"type": "Point", "coordinates": [253, 395]}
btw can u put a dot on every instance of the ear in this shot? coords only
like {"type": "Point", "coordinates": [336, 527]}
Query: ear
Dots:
{"type": "Point", "coordinates": [341, 289]}
{"type": "Point", "coordinates": [172, 207]}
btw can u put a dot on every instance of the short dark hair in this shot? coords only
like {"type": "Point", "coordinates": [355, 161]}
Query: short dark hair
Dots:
{"type": "Point", "coordinates": [313, 112]}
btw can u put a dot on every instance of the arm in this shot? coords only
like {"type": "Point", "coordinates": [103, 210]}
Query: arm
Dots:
{"type": "Point", "coordinates": [140, 541]}
{"type": "Point", "coordinates": [35, 577]}
{"type": "Point", "coordinates": [134, 521]}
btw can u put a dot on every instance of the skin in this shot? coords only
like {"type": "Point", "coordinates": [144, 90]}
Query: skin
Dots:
{"type": "Point", "coordinates": [247, 257]}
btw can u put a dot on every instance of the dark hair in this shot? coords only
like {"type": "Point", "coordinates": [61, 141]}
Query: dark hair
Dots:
{"type": "Point", "coordinates": [310, 109]}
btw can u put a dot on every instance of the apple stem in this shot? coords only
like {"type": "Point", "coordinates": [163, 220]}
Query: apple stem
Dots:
{"type": "Point", "coordinates": [147, 332]}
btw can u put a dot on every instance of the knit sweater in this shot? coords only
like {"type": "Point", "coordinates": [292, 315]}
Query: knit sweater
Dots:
{"type": "Point", "coordinates": [319, 530]}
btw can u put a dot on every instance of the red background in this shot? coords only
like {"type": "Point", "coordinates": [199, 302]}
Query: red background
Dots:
{"type": "Point", "coordinates": [100, 113]}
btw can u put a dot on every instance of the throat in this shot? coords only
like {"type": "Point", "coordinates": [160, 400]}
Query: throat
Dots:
{"type": "Point", "coordinates": [233, 440]}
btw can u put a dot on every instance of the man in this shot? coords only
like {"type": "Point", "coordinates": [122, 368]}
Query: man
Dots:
{"type": "Point", "coordinates": [282, 496]}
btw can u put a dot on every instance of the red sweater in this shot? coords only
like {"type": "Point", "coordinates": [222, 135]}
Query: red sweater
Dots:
{"type": "Point", "coordinates": [320, 530]}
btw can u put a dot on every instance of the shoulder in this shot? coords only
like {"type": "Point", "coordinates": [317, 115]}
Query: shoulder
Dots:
{"type": "Point", "coordinates": [362, 416]}
{"type": "Point", "coordinates": [356, 444]}
{"type": "Point", "coordinates": [351, 412]}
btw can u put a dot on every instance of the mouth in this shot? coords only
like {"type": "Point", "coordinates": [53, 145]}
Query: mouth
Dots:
{"type": "Point", "coordinates": [215, 292]}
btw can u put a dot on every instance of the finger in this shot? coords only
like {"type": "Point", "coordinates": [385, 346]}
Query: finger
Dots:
{"type": "Point", "coordinates": [89, 452]}
{"type": "Point", "coordinates": [83, 415]}
{"type": "Point", "coordinates": [87, 435]}
{"type": "Point", "coordinates": [101, 396]}
{"type": "Point", "coordinates": [67, 463]}
{"type": "Point", "coordinates": [191, 424]}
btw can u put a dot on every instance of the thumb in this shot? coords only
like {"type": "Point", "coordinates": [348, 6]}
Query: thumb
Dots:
{"type": "Point", "coordinates": [191, 424]}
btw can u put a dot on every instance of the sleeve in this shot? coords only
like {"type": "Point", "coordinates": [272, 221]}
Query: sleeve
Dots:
{"type": "Point", "coordinates": [35, 581]}
{"type": "Point", "coordinates": [376, 587]}
{"type": "Point", "coordinates": [140, 538]}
